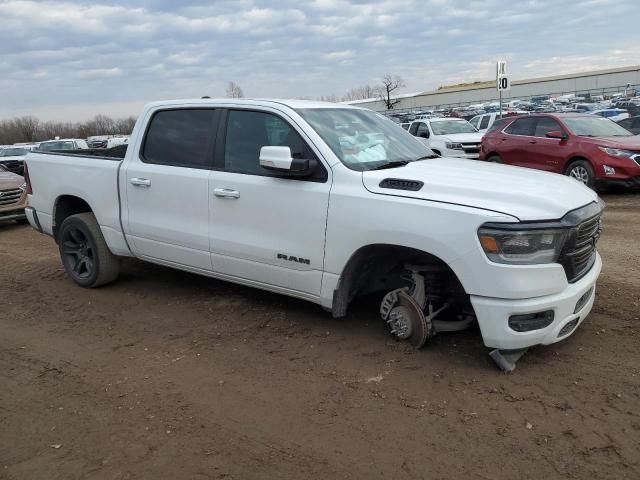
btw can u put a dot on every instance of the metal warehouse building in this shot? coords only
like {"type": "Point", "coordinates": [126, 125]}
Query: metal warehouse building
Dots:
{"type": "Point", "coordinates": [601, 81]}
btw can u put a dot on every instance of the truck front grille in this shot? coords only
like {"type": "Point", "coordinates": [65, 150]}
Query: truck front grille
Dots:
{"type": "Point", "coordinates": [10, 197]}
{"type": "Point", "coordinates": [579, 253]}
{"type": "Point", "coordinates": [14, 166]}
{"type": "Point", "coordinates": [471, 148]}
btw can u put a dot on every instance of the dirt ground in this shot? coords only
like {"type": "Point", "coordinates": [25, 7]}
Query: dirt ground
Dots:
{"type": "Point", "coordinates": [167, 375]}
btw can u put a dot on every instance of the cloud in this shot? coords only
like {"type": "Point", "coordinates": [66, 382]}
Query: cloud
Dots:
{"type": "Point", "coordinates": [80, 57]}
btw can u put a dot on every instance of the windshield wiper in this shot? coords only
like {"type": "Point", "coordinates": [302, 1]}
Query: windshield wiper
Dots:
{"type": "Point", "coordinates": [394, 164]}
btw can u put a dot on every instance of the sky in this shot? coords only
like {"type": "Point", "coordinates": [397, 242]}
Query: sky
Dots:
{"type": "Point", "coordinates": [70, 60]}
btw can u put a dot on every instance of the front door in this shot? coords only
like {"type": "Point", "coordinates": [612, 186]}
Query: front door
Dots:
{"type": "Point", "coordinates": [547, 153]}
{"type": "Point", "coordinates": [167, 189]}
{"type": "Point", "coordinates": [265, 229]}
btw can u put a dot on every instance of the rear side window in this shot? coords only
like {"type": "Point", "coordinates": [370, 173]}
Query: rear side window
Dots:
{"type": "Point", "coordinates": [180, 138]}
{"type": "Point", "coordinates": [499, 124]}
{"type": "Point", "coordinates": [423, 130]}
{"type": "Point", "coordinates": [546, 125]}
{"type": "Point", "coordinates": [484, 123]}
{"type": "Point", "coordinates": [522, 126]}
{"type": "Point", "coordinates": [413, 129]}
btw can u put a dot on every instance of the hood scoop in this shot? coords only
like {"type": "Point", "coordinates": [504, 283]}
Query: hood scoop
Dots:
{"type": "Point", "coordinates": [401, 184]}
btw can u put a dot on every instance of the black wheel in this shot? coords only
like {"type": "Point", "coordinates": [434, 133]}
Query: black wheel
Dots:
{"type": "Point", "coordinates": [494, 158]}
{"type": "Point", "coordinates": [437, 152]}
{"type": "Point", "coordinates": [84, 253]}
{"type": "Point", "coordinates": [582, 171]}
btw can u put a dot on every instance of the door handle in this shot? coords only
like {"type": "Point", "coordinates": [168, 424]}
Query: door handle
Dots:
{"type": "Point", "coordinates": [140, 182]}
{"type": "Point", "coordinates": [226, 193]}
{"type": "Point", "coordinates": [532, 141]}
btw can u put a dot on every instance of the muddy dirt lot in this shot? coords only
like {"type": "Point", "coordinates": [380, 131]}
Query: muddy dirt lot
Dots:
{"type": "Point", "coordinates": [169, 375]}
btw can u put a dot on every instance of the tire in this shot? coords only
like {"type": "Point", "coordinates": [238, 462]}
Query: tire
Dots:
{"type": "Point", "coordinates": [582, 171]}
{"type": "Point", "coordinates": [84, 253]}
{"type": "Point", "coordinates": [437, 152]}
{"type": "Point", "coordinates": [494, 158]}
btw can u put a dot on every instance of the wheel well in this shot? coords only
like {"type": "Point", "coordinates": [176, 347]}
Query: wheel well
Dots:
{"type": "Point", "coordinates": [380, 267]}
{"type": "Point", "coordinates": [575, 159]}
{"type": "Point", "coordinates": [67, 205]}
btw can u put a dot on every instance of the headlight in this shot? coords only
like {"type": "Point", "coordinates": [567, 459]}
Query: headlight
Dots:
{"type": "Point", "coordinates": [453, 146]}
{"type": "Point", "coordinates": [522, 247]}
{"type": "Point", "coordinates": [616, 152]}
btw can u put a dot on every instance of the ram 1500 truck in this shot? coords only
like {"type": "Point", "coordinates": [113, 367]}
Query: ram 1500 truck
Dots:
{"type": "Point", "coordinates": [326, 202]}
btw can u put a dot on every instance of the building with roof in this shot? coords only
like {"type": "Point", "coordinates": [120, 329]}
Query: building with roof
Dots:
{"type": "Point", "coordinates": [603, 82]}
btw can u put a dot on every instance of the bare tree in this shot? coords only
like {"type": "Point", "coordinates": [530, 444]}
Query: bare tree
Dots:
{"type": "Point", "coordinates": [390, 83]}
{"type": "Point", "coordinates": [234, 90]}
{"type": "Point", "coordinates": [30, 129]}
{"type": "Point", "coordinates": [360, 93]}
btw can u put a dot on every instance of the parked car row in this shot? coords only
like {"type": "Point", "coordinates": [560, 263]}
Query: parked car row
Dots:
{"type": "Point", "coordinates": [616, 107]}
{"type": "Point", "coordinates": [589, 148]}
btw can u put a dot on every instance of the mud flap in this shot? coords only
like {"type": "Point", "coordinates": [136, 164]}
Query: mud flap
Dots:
{"type": "Point", "coordinates": [506, 359]}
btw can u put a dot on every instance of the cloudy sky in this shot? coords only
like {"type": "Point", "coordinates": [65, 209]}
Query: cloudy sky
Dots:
{"type": "Point", "coordinates": [69, 60]}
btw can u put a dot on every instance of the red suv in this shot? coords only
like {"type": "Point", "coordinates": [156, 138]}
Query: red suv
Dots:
{"type": "Point", "coordinates": [589, 148]}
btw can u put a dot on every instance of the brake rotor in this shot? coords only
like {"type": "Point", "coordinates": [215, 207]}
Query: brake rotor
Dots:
{"type": "Point", "coordinates": [405, 318]}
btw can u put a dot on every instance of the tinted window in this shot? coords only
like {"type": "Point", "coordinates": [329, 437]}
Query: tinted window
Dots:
{"type": "Point", "coordinates": [546, 125]}
{"type": "Point", "coordinates": [484, 123]}
{"type": "Point", "coordinates": [499, 124]}
{"type": "Point", "coordinates": [522, 126]}
{"type": "Point", "coordinates": [180, 137]}
{"type": "Point", "coordinates": [626, 123]}
{"type": "Point", "coordinates": [423, 130]}
{"type": "Point", "coordinates": [248, 132]}
{"type": "Point", "coordinates": [413, 129]}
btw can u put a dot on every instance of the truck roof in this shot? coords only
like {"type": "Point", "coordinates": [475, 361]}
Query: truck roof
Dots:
{"type": "Point", "coordinates": [291, 103]}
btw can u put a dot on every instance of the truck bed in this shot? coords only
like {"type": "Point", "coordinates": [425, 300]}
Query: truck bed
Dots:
{"type": "Point", "coordinates": [92, 178]}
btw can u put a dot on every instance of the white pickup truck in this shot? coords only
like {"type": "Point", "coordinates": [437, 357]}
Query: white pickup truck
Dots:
{"type": "Point", "coordinates": [326, 202]}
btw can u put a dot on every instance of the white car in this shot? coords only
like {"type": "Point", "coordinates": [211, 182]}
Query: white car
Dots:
{"type": "Point", "coordinates": [483, 122]}
{"type": "Point", "coordinates": [615, 114]}
{"type": "Point", "coordinates": [327, 202]}
{"type": "Point", "coordinates": [448, 137]}
{"type": "Point", "coordinates": [63, 144]}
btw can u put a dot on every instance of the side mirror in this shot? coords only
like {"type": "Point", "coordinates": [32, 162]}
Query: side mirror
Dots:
{"type": "Point", "coordinates": [556, 134]}
{"type": "Point", "coordinates": [279, 159]}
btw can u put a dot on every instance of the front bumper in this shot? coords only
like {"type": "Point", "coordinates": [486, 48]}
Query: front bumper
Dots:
{"type": "Point", "coordinates": [493, 314]}
{"type": "Point", "coordinates": [12, 215]}
{"type": "Point", "coordinates": [447, 152]}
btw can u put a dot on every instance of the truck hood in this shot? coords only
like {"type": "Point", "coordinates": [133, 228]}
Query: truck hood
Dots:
{"type": "Point", "coordinates": [12, 157]}
{"type": "Point", "coordinates": [461, 137]}
{"type": "Point", "coordinates": [10, 180]}
{"type": "Point", "coordinates": [523, 193]}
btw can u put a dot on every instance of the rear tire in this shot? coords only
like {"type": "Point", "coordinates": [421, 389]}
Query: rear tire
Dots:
{"type": "Point", "coordinates": [494, 158]}
{"type": "Point", "coordinates": [582, 171]}
{"type": "Point", "coordinates": [84, 253]}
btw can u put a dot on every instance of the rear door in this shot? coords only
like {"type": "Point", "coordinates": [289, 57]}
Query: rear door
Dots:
{"type": "Point", "coordinates": [266, 229]}
{"type": "Point", "coordinates": [167, 188]}
{"type": "Point", "coordinates": [516, 140]}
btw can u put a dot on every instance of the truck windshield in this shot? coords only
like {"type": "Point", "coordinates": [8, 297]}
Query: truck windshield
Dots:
{"type": "Point", "coordinates": [595, 127]}
{"type": "Point", "coordinates": [450, 127]}
{"type": "Point", "coordinates": [362, 139]}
